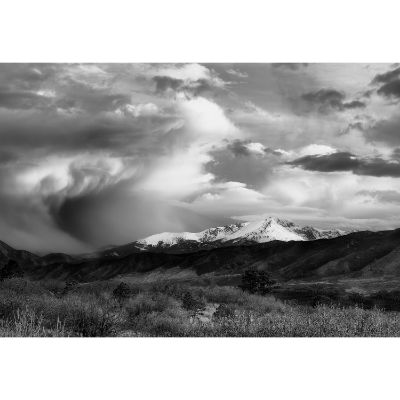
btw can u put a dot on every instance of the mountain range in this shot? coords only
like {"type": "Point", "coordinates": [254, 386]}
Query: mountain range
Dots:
{"type": "Point", "coordinates": [241, 233]}
{"type": "Point", "coordinates": [364, 254]}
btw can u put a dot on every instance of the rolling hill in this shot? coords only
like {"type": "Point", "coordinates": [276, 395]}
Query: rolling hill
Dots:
{"type": "Point", "coordinates": [359, 254]}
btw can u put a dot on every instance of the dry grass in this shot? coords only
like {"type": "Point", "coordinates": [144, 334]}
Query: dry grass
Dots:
{"type": "Point", "coordinates": [26, 323]}
{"type": "Point", "coordinates": [44, 309]}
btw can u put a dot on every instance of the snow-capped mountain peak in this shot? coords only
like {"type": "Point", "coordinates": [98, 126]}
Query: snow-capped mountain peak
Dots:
{"type": "Point", "coordinates": [257, 231]}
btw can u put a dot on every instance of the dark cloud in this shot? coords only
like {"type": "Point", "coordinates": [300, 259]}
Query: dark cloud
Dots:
{"type": "Point", "coordinates": [35, 132]}
{"type": "Point", "coordinates": [59, 122]}
{"type": "Point", "coordinates": [20, 99]}
{"type": "Point", "coordinates": [27, 77]}
{"type": "Point", "coordinates": [191, 88]}
{"type": "Point", "coordinates": [358, 125]}
{"type": "Point", "coordinates": [367, 93]}
{"type": "Point", "coordinates": [237, 163]}
{"type": "Point", "coordinates": [239, 148]}
{"type": "Point", "coordinates": [387, 76]}
{"type": "Point", "coordinates": [345, 161]}
{"type": "Point", "coordinates": [354, 104]}
{"type": "Point", "coordinates": [116, 215]}
{"type": "Point", "coordinates": [390, 89]}
{"type": "Point", "coordinates": [163, 83]}
{"type": "Point", "coordinates": [90, 99]}
{"type": "Point", "coordinates": [385, 131]}
{"type": "Point", "coordinates": [396, 153]}
{"type": "Point", "coordinates": [50, 112]}
{"type": "Point", "coordinates": [7, 157]}
{"type": "Point", "coordinates": [331, 99]}
{"type": "Point", "coordinates": [390, 83]}
{"type": "Point", "coordinates": [25, 223]}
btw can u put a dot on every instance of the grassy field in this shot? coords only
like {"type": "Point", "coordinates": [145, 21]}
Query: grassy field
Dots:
{"type": "Point", "coordinates": [52, 309]}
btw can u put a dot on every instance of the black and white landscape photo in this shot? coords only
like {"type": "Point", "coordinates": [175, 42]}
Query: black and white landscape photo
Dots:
{"type": "Point", "coordinates": [200, 200]}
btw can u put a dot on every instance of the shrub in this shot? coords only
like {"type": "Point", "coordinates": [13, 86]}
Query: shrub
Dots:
{"type": "Point", "coordinates": [86, 316]}
{"type": "Point", "coordinates": [156, 314]}
{"type": "Point", "coordinates": [122, 293]}
{"type": "Point", "coordinates": [225, 294]}
{"type": "Point", "coordinates": [192, 303]}
{"type": "Point", "coordinates": [70, 285]}
{"type": "Point", "coordinates": [91, 321]}
{"type": "Point", "coordinates": [11, 270]}
{"type": "Point", "coordinates": [224, 311]}
{"type": "Point", "coordinates": [254, 281]}
{"type": "Point", "coordinates": [27, 323]}
{"type": "Point", "coordinates": [145, 303]}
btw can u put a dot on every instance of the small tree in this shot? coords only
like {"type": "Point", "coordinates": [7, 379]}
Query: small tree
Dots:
{"type": "Point", "coordinates": [256, 282]}
{"type": "Point", "coordinates": [11, 270]}
{"type": "Point", "coordinates": [224, 311]}
{"type": "Point", "coordinates": [70, 285]}
{"type": "Point", "coordinates": [122, 293]}
{"type": "Point", "coordinates": [193, 304]}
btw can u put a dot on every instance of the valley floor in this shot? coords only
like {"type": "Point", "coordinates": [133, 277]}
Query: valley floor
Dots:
{"type": "Point", "coordinates": [50, 308]}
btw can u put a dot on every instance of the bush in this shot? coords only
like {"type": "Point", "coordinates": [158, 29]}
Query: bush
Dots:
{"type": "Point", "coordinates": [11, 270]}
{"type": "Point", "coordinates": [225, 295]}
{"type": "Point", "coordinates": [145, 303]}
{"type": "Point", "coordinates": [122, 293]}
{"type": "Point", "coordinates": [91, 321]}
{"type": "Point", "coordinates": [256, 282]}
{"type": "Point", "coordinates": [224, 311]}
{"type": "Point", "coordinates": [30, 309]}
{"type": "Point", "coordinates": [69, 287]}
{"type": "Point", "coordinates": [27, 323]}
{"type": "Point", "coordinates": [192, 303]}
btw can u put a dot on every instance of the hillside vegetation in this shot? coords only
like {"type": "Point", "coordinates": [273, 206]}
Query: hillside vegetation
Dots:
{"type": "Point", "coordinates": [112, 308]}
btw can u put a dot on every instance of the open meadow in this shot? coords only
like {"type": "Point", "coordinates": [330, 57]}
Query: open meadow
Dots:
{"type": "Point", "coordinates": [114, 308]}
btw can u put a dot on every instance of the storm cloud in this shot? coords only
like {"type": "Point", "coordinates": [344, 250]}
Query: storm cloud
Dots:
{"type": "Point", "coordinates": [345, 161]}
{"type": "Point", "coordinates": [99, 154]}
{"type": "Point", "coordinates": [390, 89]}
{"type": "Point", "coordinates": [385, 131]}
{"type": "Point", "coordinates": [389, 83]}
{"type": "Point", "coordinates": [331, 99]}
{"type": "Point", "coordinates": [386, 77]}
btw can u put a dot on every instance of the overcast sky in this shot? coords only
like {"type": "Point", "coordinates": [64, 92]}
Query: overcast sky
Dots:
{"type": "Point", "coordinates": [93, 154]}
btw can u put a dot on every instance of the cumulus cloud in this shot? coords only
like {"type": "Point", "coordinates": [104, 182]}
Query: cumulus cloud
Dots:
{"type": "Point", "coordinates": [331, 99]}
{"type": "Point", "coordinates": [97, 154]}
{"type": "Point", "coordinates": [191, 79]}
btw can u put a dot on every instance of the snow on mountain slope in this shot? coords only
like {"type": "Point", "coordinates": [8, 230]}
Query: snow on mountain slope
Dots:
{"type": "Point", "coordinates": [260, 231]}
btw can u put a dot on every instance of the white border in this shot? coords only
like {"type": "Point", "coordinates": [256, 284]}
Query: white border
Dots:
{"type": "Point", "coordinates": [199, 368]}
{"type": "Point", "coordinates": [203, 31]}
{"type": "Point", "coordinates": [207, 31]}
